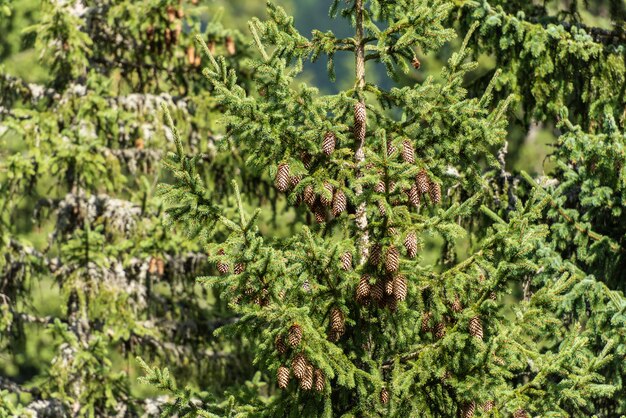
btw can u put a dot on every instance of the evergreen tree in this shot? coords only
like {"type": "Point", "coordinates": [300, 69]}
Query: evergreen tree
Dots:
{"type": "Point", "coordinates": [348, 316]}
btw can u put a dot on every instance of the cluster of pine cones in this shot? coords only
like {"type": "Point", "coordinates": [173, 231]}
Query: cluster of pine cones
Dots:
{"type": "Point", "coordinates": [468, 409]}
{"type": "Point", "coordinates": [308, 376]}
{"type": "Point", "coordinates": [475, 326]}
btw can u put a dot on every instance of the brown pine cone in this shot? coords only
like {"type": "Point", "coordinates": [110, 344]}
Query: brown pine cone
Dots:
{"type": "Point", "coordinates": [414, 196]}
{"type": "Point", "coordinates": [375, 253]}
{"type": "Point", "coordinates": [295, 180]}
{"type": "Point", "coordinates": [346, 261]}
{"type": "Point", "coordinates": [298, 365]}
{"type": "Point", "coordinates": [488, 406]}
{"type": "Point", "coordinates": [476, 328]}
{"type": "Point", "coordinates": [307, 380]}
{"type": "Point", "coordinates": [339, 203]}
{"type": "Point", "coordinates": [434, 192]}
{"type": "Point", "coordinates": [363, 289]}
{"type": "Point", "coordinates": [467, 410]}
{"type": "Point", "coordinates": [384, 396]}
{"type": "Point", "coordinates": [320, 380]}
{"type": "Point", "coordinates": [392, 260]}
{"type": "Point", "coordinates": [422, 181]}
{"type": "Point", "coordinates": [440, 330]}
{"type": "Point", "coordinates": [282, 177]}
{"type": "Point", "coordinates": [324, 198]}
{"type": "Point", "coordinates": [410, 243]}
{"type": "Point", "coordinates": [360, 121]}
{"type": "Point", "coordinates": [282, 377]}
{"type": "Point", "coordinates": [309, 196]}
{"type": "Point", "coordinates": [240, 268]}
{"type": "Point", "coordinates": [337, 320]}
{"type": "Point", "coordinates": [295, 335]}
{"type": "Point", "coordinates": [328, 144]}
{"type": "Point", "coordinates": [456, 305]}
{"type": "Point", "coordinates": [378, 291]}
{"type": "Point", "coordinates": [408, 154]}
{"type": "Point", "coordinates": [520, 413]}
{"type": "Point", "coordinates": [416, 63]}
{"type": "Point", "coordinates": [279, 343]}
{"type": "Point", "coordinates": [426, 321]}
{"type": "Point", "coordinates": [399, 287]}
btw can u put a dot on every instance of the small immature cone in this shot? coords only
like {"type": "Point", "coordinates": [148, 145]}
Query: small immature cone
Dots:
{"type": "Point", "coordinates": [422, 181]}
{"type": "Point", "coordinates": [520, 413]}
{"type": "Point", "coordinates": [384, 396]}
{"type": "Point", "coordinates": [282, 177]}
{"type": "Point", "coordinates": [416, 63]}
{"type": "Point", "coordinates": [434, 192]}
{"type": "Point", "coordinates": [309, 196]}
{"type": "Point", "coordinates": [282, 377]}
{"type": "Point", "coordinates": [279, 343]}
{"type": "Point", "coordinates": [467, 410]}
{"type": "Point", "coordinates": [298, 366]}
{"type": "Point", "coordinates": [329, 142]}
{"type": "Point", "coordinates": [307, 380]}
{"type": "Point", "coordinates": [324, 198]}
{"type": "Point", "coordinates": [339, 203]}
{"type": "Point", "coordinates": [414, 196]}
{"type": "Point", "coordinates": [392, 259]}
{"type": "Point", "coordinates": [408, 154]}
{"type": "Point", "coordinates": [488, 406]}
{"type": "Point", "coordinates": [399, 287]}
{"type": "Point", "coordinates": [229, 42]}
{"type": "Point", "coordinates": [456, 305]}
{"type": "Point", "coordinates": [360, 117]}
{"type": "Point", "coordinates": [346, 261]}
{"type": "Point", "coordinates": [363, 289]}
{"type": "Point", "coordinates": [410, 243]}
{"type": "Point", "coordinates": [476, 328]}
{"type": "Point", "coordinates": [295, 335]}
{"type": "Point", "coordinates": [320, 380]}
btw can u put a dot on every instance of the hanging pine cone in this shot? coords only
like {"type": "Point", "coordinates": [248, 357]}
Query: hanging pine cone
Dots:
{"type": "Point", "coordinates": [363, 289]}
{"type": "Point", "coordinates": [282, 177]}
{"type": "Point", "coordinates": [410, 243]}
{"type": "Point", "coordinates": [375, 253]}
{"type": "Point", "coordinates": [295, 335]}
{"type": "Point", "coordinates": [456, 305]}
{"type": "Point", "coordinates": [384, 396]}
{"type": "Point", "coordinates": [422, 181]}
{"type": "Point", "coordinates": [298, 366]}
{"type": "Point", "coordinates": [279, 343]}
{"type": "Point", "coordinates": [295, 180]}
{"type": "Point", "coordinates": [309, 196]}
{"type": "Point", "coordinates": [416, 63]}
{"type": "Point", "coordinates": [282, 377]}
{"type": "Point", "coordinates": [240, 268]}
{"type": "Point", "coordinates": [399, 287]}
{"type": "Point", "coordinates": [520, 413]}
{"type": "Point", "coordinates": [389, 286]}
{"type": "Point", "coordinates": [408, 154]}
{"type": "Point", "coordinates": [390, 148]}
{"type": "Point", "coordinates": [414, 196]}
{"type": "Point", "coordinates": [320, 380]}
{"type": "Point", "coordinates": [392, 260]}
{"type": "Point", "coordinates": [339, 203]}
{"type": "Point", "coordinates": [334, 335]}
{"type": "Point", "coordinates": [476, 328]}
{"type": "Point", "coordinates": [488, 406]}
{"type": "Point", "coordinates": [222, 266]}
{"type": "Point", "coordinates": [467, 410]}
{"type": "Point", "coordinates": [346, 261]}
{"type": "Point", "coordinates": [328, 144]}
{"type": "Point", "coordinates": [306, 159]}
{"type": "Point", "coordinates": [380, 187]}
{"type": "Point", "coordinates": [434, 192]}
{"type": "Point", "coordinates": [324, 197]}
{"type": "Point", "coordinates": [392, 303]}
{"type": "Point", "coordinates": [307, 380]}
{"type": "Point", "coordinates": [381, 208]}
{"type": "Point", "coordinates": [337, 320]}
{"type": "Point", "coordinates": [378, 291]}
{"type": "Point", "coordinates": [426, 321]}
{"type": "Point", "coordinates": [440, 330]}
{"type": "Point", "coordinates": [392, 231]}
{"type": "Point", "coordinates": [360, 118]}
{"type": "Point", "coordinates": [319, 212]}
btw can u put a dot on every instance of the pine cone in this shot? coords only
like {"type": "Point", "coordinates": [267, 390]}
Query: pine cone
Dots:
{"type": "Point", "coordinates": [223, 267]}
{"type": "Point", "coordinates": [392, 303]}
{"type": "Point", "coordinates": [390, 148]}
{"type": "Point", "coordinates": [414, 196]}
{"type": "Point", "coordinates": [380, 187]}
{"type": "Point", "coordinates": [295, 180]}
{"type": "Point", "coordinates": [389, 286]}
{"type": "Point", "coordinates": [334, 335]}
{"type": "Point", "coordinates": [326, 201]}
{"type": "Point", "coordinates": [360, 117]}
{"type": "Point", "coordinates": [426, 321]}
{"type": "Point", "coordinates": [476, 328]}
{"type": "Point", "coordinates": [298, 366]}
{"type": "Point", "coordinates": [408, 154]}
{"type": "Point", "coordinates": [416, 63]}
{"type": "Point", "coordinates": [240, 268]}
{"type": "Point", "coordinates": [282, 377]}
{"type": "Point", "coordinates": [467, 410]}
{"type": "Point", "coordinates": [422, 181]}
{"type": "Point", "coordinates": [456, 305]}
{"type": "Point", "coordinates": [392, 260]}
{"type": "Point", "coordinates": [434, 192]}
{"type": "Point", "coordinates": [384, 396]}
{"type": "Point", "coordinates": [375, 253]}
{"type": "Point", "coordinates": [520, 413]}
{"type": "Point", "coordinates": [488, 406]}
{"type": "Point", "coordinates": [282, 177]}
{"type": "Point", "coordinates": [319, 212]}
{"type": "Point", "coordinates": [378, 291]}
{"type": "Point", "coordinates": [410, 243]}
{"type": "Point", "coordinates": [346, 261]}
{"type": "Point", "coordinates": [363, 289]}
{"type": "Point", "coordinates": [399, 287]}
{"type": "Point", "coordinates": [307, 380]}
{"type": "Point", "coordinates": [328, 145]}
{"type": "Point", "coordinates": [337, 320]}
{"type": "Point", "coordinates": [279, 343]}
{"type": "Point", "coordinates": [440, 330]}
{"type": "Point", "coordinates": [295, 335]}
{"type": "Point", "coordinates": [339, 203]}
{"type": "Point", "coordinates": [381, 208]}
{"type": "Point", "coordinates": [392, 231]}
{"type": "Point", "coordinates": [306, 159]}
{"type": "Point", "coordinates": [230, 45]}
{"type": "Point", "coordinates": [309, 196]}
{"type": "Point", "coordinates": [320, 380]}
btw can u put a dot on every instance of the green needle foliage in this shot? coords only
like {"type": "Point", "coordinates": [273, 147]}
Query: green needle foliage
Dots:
{"type": "Point", "coordinates": [352, 315]}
